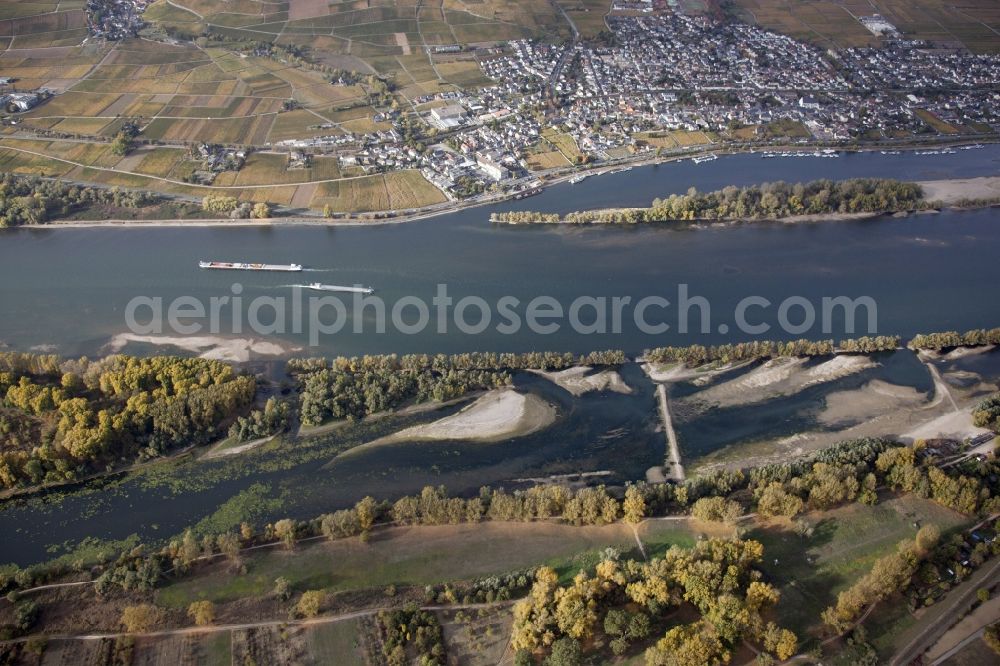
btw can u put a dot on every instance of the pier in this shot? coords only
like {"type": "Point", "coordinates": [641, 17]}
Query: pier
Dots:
{"type": "Point", "coordinates": [676, 469]}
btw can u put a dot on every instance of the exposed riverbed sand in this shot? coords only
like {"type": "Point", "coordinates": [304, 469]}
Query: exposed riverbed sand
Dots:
{"type": "Point", "coordinates": [845, 408]}
{"type": "Point", "coordinates": [678, 372]}
{"type": "Point", "coordinates": [495, 416]}
{"type": "Point", "coordinates": [779, 377]}
{"type": "Point", "coordinates": [954, 190]}
{"type": "Point", "coordinates": [206, 346]}
{"type": "Point", "coordinates": [877, 409]}
{"type": "Point", "coordinates": [577, 381]}
{"type": "Point", "coordinates": [956, 353]}
{"type": "Point", "coordinates": [223, 451]}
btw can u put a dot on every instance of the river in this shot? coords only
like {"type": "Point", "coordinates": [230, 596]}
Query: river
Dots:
{"type": "Point", "coordinates": [66, 290]}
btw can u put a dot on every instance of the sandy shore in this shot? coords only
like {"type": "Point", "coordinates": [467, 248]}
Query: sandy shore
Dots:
{"type": "Point", "coordinates": [954, 190]}
{"type": "Point", "coordinates": [214, 347]}
{"type": "Point", "coordinates": [678, 372]}
{"type": "Point", "coordinates": [222, 452]}
{"type": "Point", "coordinates": [493, 417]}
{"type": "Point", "coordinates": [877, 409]}
{"type": "Point", "coordinates": [846, 408]}
{"type": "Point", "coordinates": [577, 381]}
{"type": "Point", "coordinates": [778, 377]}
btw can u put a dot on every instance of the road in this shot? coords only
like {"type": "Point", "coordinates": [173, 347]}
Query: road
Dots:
{"type": "Point", "coordinates": [933, 625]}
{"type": "Point", "coordinates": [967, 630]}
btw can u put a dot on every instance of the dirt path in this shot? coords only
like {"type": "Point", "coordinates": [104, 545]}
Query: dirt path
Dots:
{"type": "Point", "coordinates": [967, 629]}
{"type": "Point", "coordinates": [674, 451]}
{"type": "Point", "coordinates": [211, 629]}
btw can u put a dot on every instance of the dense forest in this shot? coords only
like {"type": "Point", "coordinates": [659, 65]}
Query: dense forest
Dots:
{"type": "Point", "coordinates": [717, 577]}
{"type": "Point", "coordinates": [62, 419]}
{"type": "Point", "coordinates": [32, 200]}
{"type": "Point", "coordinates": [356, 387]}
{"type": "Point", "coordinates": [767, 201]}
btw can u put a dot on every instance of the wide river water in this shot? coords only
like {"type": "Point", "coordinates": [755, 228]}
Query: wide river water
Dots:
{"type": "Point", "coordinates": [66, 290]}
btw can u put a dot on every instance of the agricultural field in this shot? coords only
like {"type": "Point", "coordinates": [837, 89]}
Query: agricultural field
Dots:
{"type": "Point", "coordinates": [837, 548]}
{"type": "Point", "coordinates": [561, 142]}
{"type": "Point", "coordinates": [831, 24]}
{"type": "Point", "coordinates": [39, 24]}
{"type": "Point", "coordinates": [396, 190]}
{"type": "Point", "coordinates": [587, 15]}
{"type": "Point", "coordinates": [265, 176]}
{"type": "Point", "coordinates": [362, 30]}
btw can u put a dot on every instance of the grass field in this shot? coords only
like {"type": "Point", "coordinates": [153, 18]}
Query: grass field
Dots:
{"type": "Point", "coordinates": [336, 643]}
{"type": "Point", "coordinates": [939, 125]}
{"type": "Point", "coordinates": [420, 556]}
{"type": "Point", "coordinates": [563, 143]}
{"type": "Point", "coordinates": [547, 159]}
{"type": "Point", "coordinates": [811, 570]}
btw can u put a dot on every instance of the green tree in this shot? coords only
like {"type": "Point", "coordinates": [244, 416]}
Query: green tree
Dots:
{"type": "Point", "coordinates": [310, 603]}
{"type": "Point", "coordinates": [202, 612]}
{"type": "Point", "coordinates": [261, 211]}
{"type": "Point", "coordinates": [634, 505]}
{"type": "Point", "coordinates": [141, 618]}
{"type": "Point", "coordinates": [282, 588]}
{"type": "Point", "coordinates": [565, 652]}
{"type": "Point", "coordinates": [367, 512]}
{"type": "Point", "coordinates": [284, 529]}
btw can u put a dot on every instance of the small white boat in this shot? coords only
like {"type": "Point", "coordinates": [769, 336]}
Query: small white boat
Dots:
{"type": "Point", "coordinates": [317, 286]}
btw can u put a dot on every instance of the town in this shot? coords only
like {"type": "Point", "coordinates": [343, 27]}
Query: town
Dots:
{"type": "Point", "coordinates": [674, 72]}
{"type": "Point", "coordinates": [626, 95]}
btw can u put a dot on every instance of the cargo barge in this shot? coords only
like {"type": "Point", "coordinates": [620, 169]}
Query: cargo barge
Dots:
{"type": "Point", "coordinates": [237, 266]}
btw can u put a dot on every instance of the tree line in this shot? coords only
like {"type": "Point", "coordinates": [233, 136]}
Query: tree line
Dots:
{"type": "Point", "coordinates": [64, 419]}
{"type": "Point", "coordinates": [356, 387]}
{"type": "Point", "coordinates": [694, 355]}
{"type": "Point", "coordinates": [947, 339]}
{"type": "Point", "coordinates": [767, 201]}
{"type": "Point", "coordinates": [32, 200]}
{"type": "Point", "coordinates": [755, 350]}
